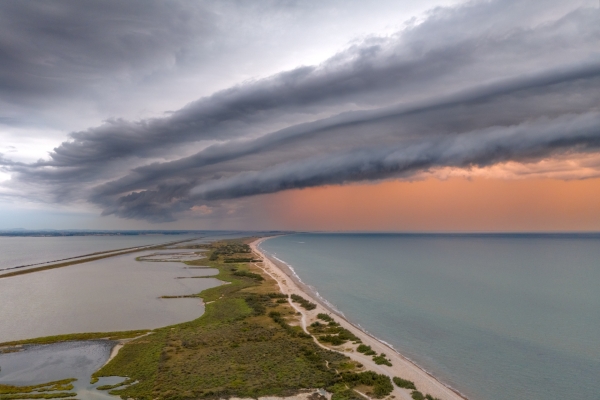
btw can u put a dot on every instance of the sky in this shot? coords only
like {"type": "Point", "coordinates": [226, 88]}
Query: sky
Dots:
{"type": "Point", "coordinates": [444, 116]}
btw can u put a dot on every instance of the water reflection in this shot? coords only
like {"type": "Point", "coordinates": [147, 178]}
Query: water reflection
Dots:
{"type": "Point", "coordinates": [112, 294]}
{"type": "Point", "coordinates": [40, 364]}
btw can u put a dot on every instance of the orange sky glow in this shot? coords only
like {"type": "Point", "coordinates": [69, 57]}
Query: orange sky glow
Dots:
{"type": "Point", "coordinates": [453, 204]}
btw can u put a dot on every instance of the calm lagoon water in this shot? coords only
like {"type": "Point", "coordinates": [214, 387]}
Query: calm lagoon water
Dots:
{"type": "Point", "coordinates": [112, 294]}
{"type": "Point", "coordinates": [498, 317]}
{"type": "Point", "coordinates": [16, 251]}
{"type": "Point", "coordinates": [47, 363]}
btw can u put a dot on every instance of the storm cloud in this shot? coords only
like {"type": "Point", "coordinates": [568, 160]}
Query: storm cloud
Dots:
{"type": "Point", "coordinates": [471, 85]}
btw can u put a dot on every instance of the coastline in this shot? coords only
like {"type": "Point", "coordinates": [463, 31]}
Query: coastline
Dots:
{"type": "Point", "coordinates": [290, 283]}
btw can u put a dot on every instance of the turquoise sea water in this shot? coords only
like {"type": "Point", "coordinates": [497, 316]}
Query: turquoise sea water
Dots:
{"type": "Point", "coordinates": [498, 317]}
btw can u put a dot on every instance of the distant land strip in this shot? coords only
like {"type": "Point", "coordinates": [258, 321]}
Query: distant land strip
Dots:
{"type": "Point", "coordinates": [79, 260]}
{"type": "Point", "coordinates": [72, 258]}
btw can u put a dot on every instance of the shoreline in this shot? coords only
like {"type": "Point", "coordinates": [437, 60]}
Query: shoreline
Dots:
{"type": "Point", "coordinates": [402, 366]}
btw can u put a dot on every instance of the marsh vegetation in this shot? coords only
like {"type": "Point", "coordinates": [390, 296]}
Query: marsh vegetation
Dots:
{"type": "Point", "coordinates": [49, 390]}
{"type": "Point", "coordinates": [246, 344]}
{"type": "Point", "coordinates": [303, 302]}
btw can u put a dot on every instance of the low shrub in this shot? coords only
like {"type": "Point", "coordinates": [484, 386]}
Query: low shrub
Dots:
{"type": "Point", "coordinates": [277, 295]}
{"type": "Point", "coordinates": [303, 302]}
{"type": "Point", "coordinates": [381, 384]}
{"type": "Point", "coordinates": [404, 384]}
{"type": "Point", "coordinates": [248, 274]}
{"type": "Point", "coordinates": [276, 316]}
{"type": "Point", "coordinates": [416, 395]}
{"type": "Point", "coordinates": [382, 360]}
{"type": "Point", "coordinates": [367, 350]}
{"type": "Point", "coordinates": [333, 339]}
{"type": "Point", "coordinates": [324, 317]}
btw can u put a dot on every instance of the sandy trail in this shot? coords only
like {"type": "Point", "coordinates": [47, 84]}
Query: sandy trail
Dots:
{"type": "Point", "coordinates": [401, 366]}
{"type": "Point", "coordinates": [120, 343]}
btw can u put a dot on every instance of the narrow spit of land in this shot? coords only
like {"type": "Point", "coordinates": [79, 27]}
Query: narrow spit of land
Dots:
{"type": "Point", "coordinates": [400, 366]}
{"type": "Point", "coordinates": [254, 340]}
{"type": "Point", "coordinates": [15, 271]}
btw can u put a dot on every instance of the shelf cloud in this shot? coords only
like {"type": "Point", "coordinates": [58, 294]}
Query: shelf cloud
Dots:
{"type": "Point", "coordinates": [471, 85]}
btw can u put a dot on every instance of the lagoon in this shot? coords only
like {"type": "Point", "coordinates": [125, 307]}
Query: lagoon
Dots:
{"type": "Point", "coordinates": [113, 294]}
{"type": "Point", "coordinates": [46, 363]}
{"type": "Point", "coordinates": [19, 251]}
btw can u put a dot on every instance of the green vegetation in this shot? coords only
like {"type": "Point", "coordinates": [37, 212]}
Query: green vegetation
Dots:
{"type": "Point", "coordinates": [281, 298]}
{"type": "Point", "coordinates": [77, 336]}
{"type": "Point", "coordinates": [303, 302]}
{"type": "Point", "coordinates": [126, 382]}
{"type": "Point", "coordinates": [275, 295]}
{"type": "Point", "coordinates": [228, 248]}
{"type": "Point", "coordinates": [416, 395]}
{"type": "Point", "coordinates": [241, 260]}
{"type": "Point", "coordinates": [244, 345]}
{"type": "Point", "coordinates": [367, 350]}
{"type": "Point", "coordinates": [381, 384]}
{"type": "Point", "coordinates": [332, 333]}
{"type": "Point", "coordinates": [60, 388]}
{"type": "Point", "coordinates": [248, 274]}
{"type": "Point", "coordinates": [325, 317]}
{"type": "Point", "coordinates": [57, 395]}
{"type": "Point", "coordinates": [404, 384]}
{"type": "Point", "coordinates": [292, 330]}
{"type": "Point", "coordinates": [382, 359]}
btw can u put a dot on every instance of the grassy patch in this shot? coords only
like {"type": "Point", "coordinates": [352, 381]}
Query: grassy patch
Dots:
{"type": "Point", "coordinates": [58, 395]}
{"type": "Point", "coordinates": [126, 382]}
{"type": "Point", "coordinates": [377, 385]}
{"type": "Point", "coordinates": [332, 333]}
{"type": "Point", "coordinates": [403, 383]}
{"type": "Point", "coordinates": [242, 346]}
{"type": "Point", "coordinates": [77, 336]}
{"type": "Point", "coordinates": [325, 317]}
{"type": "Point", "coordinates": [303, 302]}
{"type": "Point", "coordinates": [251, 275]}
{"type": "Point", "coordinates": [382, 360]}
{"type": "Point", "coordinates": [367, 350]}
{"type": "Point", "coordinates": [60, 389]}
{"type": "Point", "coordinates": [230, 249]}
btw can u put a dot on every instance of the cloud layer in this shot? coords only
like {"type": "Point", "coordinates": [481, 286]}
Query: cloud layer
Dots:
{"type": "Point", "coordinates": [473, 85]}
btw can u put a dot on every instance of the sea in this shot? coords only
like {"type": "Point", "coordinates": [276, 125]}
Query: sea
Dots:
{"type": "Point", "coordinates": [495, 316]}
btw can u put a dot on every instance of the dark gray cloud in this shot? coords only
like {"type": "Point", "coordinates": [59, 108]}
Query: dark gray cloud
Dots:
{"type": "Point", "coordinates": [68, 52]}
{"type": "Point", "coordinates": [479, 148]}
{"type": "Point", "coordinates": [471, 85]}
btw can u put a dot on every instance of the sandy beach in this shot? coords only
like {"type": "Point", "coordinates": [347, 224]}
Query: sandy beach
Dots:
{"type": "Point", "coordinates": [401, 366]}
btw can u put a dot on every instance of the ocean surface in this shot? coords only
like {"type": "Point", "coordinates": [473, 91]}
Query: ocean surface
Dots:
{"type": "Point", "coordinates": [498, 317]}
